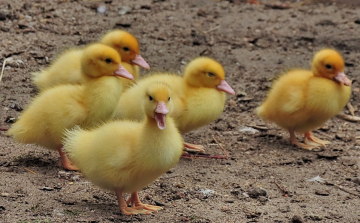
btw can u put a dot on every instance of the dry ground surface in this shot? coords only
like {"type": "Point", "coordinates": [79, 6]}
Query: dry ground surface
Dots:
{"type": "Point", "coordinates": [255, 43]}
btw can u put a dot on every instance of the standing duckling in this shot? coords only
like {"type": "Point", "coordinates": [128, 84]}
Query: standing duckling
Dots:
{"type": "Point", "coordinates": [199, 96]}
{"type": "Point", "coordinates": [303, 100]}
{"type": "Point", "coordinates": [65, 106]}
{"type": "Point", "coordinates": [126, 156]}
{"type": "Point", "coordinates": [66, 69]}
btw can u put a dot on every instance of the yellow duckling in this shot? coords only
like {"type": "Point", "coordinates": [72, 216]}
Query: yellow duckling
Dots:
{"type": "Point", "coordinates": [126, 156]}
{"type": "Point", "coordinates": [303, 100]}
{"type": "Point", "coordinates": [66, 69]}
{"type": "Point", "coordinates": [199, 96]}
{"type": "Point", "coordinates": [65, 106]}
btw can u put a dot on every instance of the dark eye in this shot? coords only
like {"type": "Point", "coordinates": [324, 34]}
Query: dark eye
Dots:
{"type": "Point", "coordinates": [328, 66]}
{"type": "Point", "coordinates": [169, 99]}
{"type": "Point", "coordinates": [108, 60]}
{"type": "Point", "coordinates": [126, 49]}
{"type": "Point", "coordinates": [150, 98]}
{"type": "Point", "coordinates": [211, 74]}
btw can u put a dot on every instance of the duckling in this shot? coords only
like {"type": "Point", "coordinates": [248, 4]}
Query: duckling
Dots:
{"type": "Point", "coordinates": [199, 96]}
{"type": "Point", "coordinates": [64, 106]}
{"type": "Point", "coordinates": [303, 100]}
{"type": "Point", "coordinates": [125, 156]}
{"type": "Point", "coordinates": [66, 69]}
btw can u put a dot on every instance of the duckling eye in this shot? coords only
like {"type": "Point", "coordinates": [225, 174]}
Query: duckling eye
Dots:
{"type": "Point", "coordinates": [108, 60]}
{"type": "Point", "coordinates": [169, 99]}
{"type": "Point", "coordinates": [126, 49]}
{"type": "Point", "coordinates": [150, 98]}
{"type": "Point", "coordinates": [328, 66]}
{"type": "Point", "coordinates": [211, 74]}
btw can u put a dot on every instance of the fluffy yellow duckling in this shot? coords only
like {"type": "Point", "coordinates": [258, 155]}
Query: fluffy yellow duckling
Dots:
{"type": "Point", "coordinates": [303, 100]}
{"type": "Point", "coordinates": [126, 156]}
{"type": "Point", "coordinates": [65, 106]}
{"type": "Point", "coordinates": [199, 95]}
{"type": "Point", "coordinates": [66, 69]}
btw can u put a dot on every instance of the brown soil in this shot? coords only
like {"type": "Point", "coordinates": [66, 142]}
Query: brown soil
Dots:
{"type": "Point", "coordinates": [254, 43]}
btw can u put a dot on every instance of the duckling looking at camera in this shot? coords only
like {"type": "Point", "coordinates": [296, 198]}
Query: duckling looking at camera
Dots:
{"type": "Point", "coordinates": [199, 96]}
{"type": "Point", "coordinates": [303, 100]}
{"type": "Point", "coordinates": [66, 69]}
{"type": "Point", "coordinates": [64, 106]}
{"type": "Point", "coordinates": [126, 156]}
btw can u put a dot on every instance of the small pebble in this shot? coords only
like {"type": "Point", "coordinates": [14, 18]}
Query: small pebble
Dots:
{"type": "Point", "coordinates": [297, 219]}
{"type": "Point", "coordinates": [256, 192]}
{"type": "Point", "coordinates": [322, 192]}
{"type": "Point", "coordinates": [356, 180]}
{"type": "Point", "coordinates": [2, 16]}
{"type": "Point", "coordinates": [4, 194]}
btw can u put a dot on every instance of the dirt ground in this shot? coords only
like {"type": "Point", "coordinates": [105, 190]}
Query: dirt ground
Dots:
{"type": "Point", "coordinates": [254, 43]}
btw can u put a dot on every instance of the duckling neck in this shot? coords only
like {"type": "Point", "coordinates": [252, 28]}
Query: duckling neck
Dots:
{"type": "Point", "coordinates": [159, 148]}
{"type": "Point", "coordinates": [190, 83]}
{"type": "Point", "coordinates": [101, 97]}
{"type": "Point", "coordinates": [315, 70]}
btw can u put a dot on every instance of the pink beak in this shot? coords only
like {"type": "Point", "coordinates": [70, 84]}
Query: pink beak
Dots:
{"type": "Point", "coordinates": [341, 77]}
{"type": "Point", "coordinates": [122, 72]}
{"type": "Point", "coordinates": [161, 108]}
{"type": "Point", "coordinates": [160, 115]}
{"type": "Point", "coordinates": [140, 62]}
{"type": "Point", "coordinates": [225, 87]}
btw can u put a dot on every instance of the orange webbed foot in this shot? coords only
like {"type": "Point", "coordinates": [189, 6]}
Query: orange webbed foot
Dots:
{"type": "Point", "coordinates": [136, 203]}
{"type": "Point", "coordinates": [294, 141]}
{"type": "Point", "coordinates": [312, 138]}
{"type": "Point", "coordinates": [123, 205]}
{"type": "Point", "coordinates": [66, 163]}
{"type": "Point", "coordinates": [193, 148]}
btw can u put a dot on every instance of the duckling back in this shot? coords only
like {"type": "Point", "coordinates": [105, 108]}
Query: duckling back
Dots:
{"type": "Point", "coordinates": [203, 106]}
{"type": "Point", "coordinates": [64, 70]}
{"type": "Point", "coordinates": [43, 124]}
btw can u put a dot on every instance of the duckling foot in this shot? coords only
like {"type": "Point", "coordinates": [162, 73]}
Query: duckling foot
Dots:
{"type": "Point", "coordinates": [3, 129]}
{"type": "Point", "coordinates": [136, 203]}
{"type": "Point", "coordinates": [193, 148]}
{"type": "Point", "coordinates": [294, 141]}
{"type": "Point", "coordinates": [311, 137]}
{"type": "Point", "coordinates": [66, 163]}
{"type": "Point", "coordinates": [128, 210]}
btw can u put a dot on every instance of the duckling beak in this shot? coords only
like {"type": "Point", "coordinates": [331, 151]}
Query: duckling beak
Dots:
{"type": "Point", "coordinates": [341, 78]}
{"type": "Point", "coordinates": [122, 72]}
{"type": "Point", "coordinates": [225, 87]}
{"type": "Point", "coordinates": [160, 115]}
{"type": "Point", "coordinates": [140, 62]}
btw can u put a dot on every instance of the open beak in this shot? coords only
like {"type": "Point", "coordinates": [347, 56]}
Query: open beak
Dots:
{"type": "Point", "coordinates": [341, 78]}
{"type": "Point", "coordinates": [160, 115]}
{"type": "Point", "coordinates": [225, 87]}
{"type": "Point", "coordinates": [140, 62]}
{"type": "Point", "coordinates": [122, 72]}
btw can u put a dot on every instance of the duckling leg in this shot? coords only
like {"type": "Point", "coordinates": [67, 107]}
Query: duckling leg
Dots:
{"type": "Point", "coordinates": [124, 208]}
{"type": "Point", "coordinates": [311, 137]}
{"type": "Point", "coordinates": [294, 141]}
{"type": "Point", "coordinates": [193, 148]}
{"type": "Point", "coordinates": [67, 164]}
{"type": "Point", "coordinates": [136, 203]}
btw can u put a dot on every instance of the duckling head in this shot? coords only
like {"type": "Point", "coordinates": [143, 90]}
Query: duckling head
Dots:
{"type": "Point", "coordinates": [127, 46]}
{"type": "Point", "coordinates": [206, 72]}
{"type": "Point", "coordinates": [100, 60]}
{"type": "Point", "coordinates": [329, 64]}
{"type": "Point", "coordinates": [157, 103]}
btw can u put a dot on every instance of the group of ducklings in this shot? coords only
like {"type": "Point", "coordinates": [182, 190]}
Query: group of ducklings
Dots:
{"type": "Point", "coordinates": [123, 133]}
